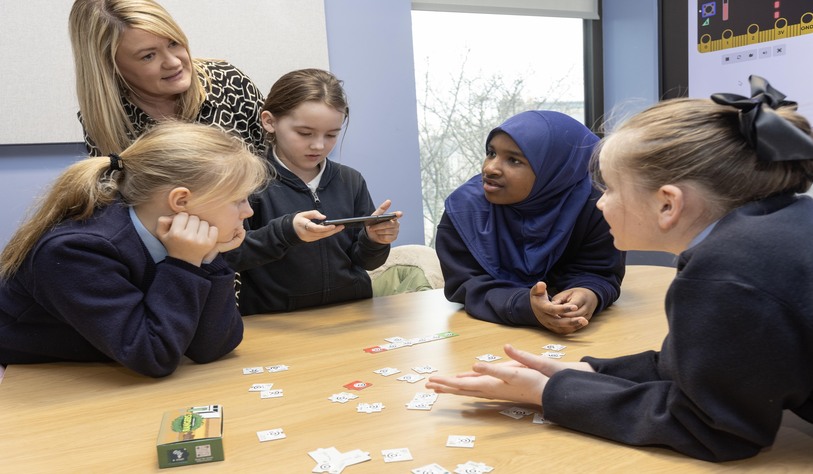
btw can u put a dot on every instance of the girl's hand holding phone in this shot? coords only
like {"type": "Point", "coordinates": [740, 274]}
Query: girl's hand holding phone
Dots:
{"type": "Point", "coordinates": [384, 232]}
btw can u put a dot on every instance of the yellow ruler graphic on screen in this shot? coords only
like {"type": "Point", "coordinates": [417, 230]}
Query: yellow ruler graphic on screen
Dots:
{"type": "Point", "coordinates": [754, 35]}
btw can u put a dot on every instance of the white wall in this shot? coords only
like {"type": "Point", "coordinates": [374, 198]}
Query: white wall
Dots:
{"type": "Point", "coordinates": [265, 39]}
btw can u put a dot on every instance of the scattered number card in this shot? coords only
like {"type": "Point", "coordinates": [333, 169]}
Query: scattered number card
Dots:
{"type": "Point", "coordinates": [396, 455]}
{"type": "Point", "coordinates": [489, 357]}
{"type": "Point", "coordinates": [387, 371]}
{"type": "Point", "coordinates": [457, 441]}
{"type": "Point", "coordinates": [270, 435]}
{"type": "Point", "coordinates": [411, 378]}
{"type": "Point", "coordinates": [276, 368]}
{"type": "Point", "coordinates": [357, 385]}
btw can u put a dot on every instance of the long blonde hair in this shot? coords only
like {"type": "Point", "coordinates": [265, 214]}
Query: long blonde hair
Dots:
{"type": "Point", "coordinates": [202, 158]}
{"type": "Point", "coordinates": [95, 30]}
{"type": "Point", "coordinates": [699, 142]}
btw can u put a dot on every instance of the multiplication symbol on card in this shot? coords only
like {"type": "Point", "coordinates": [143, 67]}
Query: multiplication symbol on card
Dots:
{"type": "Point", "coordinates": [357, 385]}
{"type": "Point", "coordinates": [458, 441]}
{"type": "Point", "coordinates": [488, 357]}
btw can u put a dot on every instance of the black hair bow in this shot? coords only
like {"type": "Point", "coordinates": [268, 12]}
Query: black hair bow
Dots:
{"type": "Point", "coordinates": [773, 137]}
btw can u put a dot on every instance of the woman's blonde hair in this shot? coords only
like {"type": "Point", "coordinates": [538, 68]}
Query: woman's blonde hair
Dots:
{"type": "Point", "coordinates": [698, 141]}
{"type": "Point", "coordinates": [305, 85]}
{"type": "Point", "coordinates": [95, 29]}
{"type": "Point", "coordinates": [210, 163]}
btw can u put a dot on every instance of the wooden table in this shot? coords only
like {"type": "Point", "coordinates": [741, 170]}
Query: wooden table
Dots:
{"type": "Point", "coordinates": [70, 417]}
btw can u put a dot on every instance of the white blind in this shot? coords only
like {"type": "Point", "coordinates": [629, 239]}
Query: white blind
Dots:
{"type": "Point", "coordinates": [586, 9]}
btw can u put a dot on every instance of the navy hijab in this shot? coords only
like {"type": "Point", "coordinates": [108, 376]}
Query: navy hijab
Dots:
{"type": "Point", "coordinates": [521, 242]}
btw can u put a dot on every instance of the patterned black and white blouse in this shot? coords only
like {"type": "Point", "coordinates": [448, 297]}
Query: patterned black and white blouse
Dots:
{"type": "Point", "coordinates": [233, 103]}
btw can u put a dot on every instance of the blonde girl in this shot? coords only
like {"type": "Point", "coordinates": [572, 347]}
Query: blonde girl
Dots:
{"type": "Point", "coordinates": [121, 260]}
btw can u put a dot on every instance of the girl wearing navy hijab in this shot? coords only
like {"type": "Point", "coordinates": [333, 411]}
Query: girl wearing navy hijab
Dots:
{"type": "Point", "coordinates": [523, 243]}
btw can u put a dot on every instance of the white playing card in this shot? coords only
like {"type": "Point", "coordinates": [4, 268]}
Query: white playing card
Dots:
{"type": "Point", "coordinates": [472, 467]}
{"type": "Point", "coordinates": [370, 407]}
{"type": "Point", "coordinates": [538, 419]}
{"type": "Point", "coordinates": [554, 355]}
{"type": "Point", "coordinates": [275, 393]}
{"type": "Point", "coordinates": [276, 368]}
{"type": "Point", "coordinates": [252, 370]}
{"type": "Point", "coordinates": [387, 371]}
{"type": "Point", "coordinates": [342, 397]}
{"type": "Point", "coordinates": [555, 347]}
{"type": "Point", "coordinates": [433, 468]}
{"type": "Point", "coordinates": [411, 378]}
{"type": "Point", "coordinates": [260, 387]}
{"type": "Point", "coordinates": [396, 455]}
{"type": "Point", "coordinates": [489, 357]}
{"type": "Point", "coordinates": [425, 369]}
{"type": "Point", "coordinates": [458, 441]}
{"type": "Point", "coordinates": [269, 435]}
{"type": "Point", "coordinates": [419, 406]}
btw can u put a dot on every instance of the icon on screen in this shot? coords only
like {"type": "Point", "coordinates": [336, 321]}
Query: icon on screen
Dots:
{"type": "Point", "coordinates": [708, 9]}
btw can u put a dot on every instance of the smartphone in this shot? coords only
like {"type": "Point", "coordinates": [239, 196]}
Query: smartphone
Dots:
{"type": "Point", "coordinates": [363, 220]}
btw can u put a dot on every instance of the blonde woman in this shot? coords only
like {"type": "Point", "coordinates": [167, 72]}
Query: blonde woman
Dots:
{"type": "Point", "coordinates": [121, 261]}
{"type": "Point", "coordinates": [134, 68]}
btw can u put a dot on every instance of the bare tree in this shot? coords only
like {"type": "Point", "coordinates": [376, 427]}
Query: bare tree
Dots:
{"type": "Point", "coordinates": [453, 126]}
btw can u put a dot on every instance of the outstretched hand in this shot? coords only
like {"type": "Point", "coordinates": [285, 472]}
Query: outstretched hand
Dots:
{"type": "Point", "coordinates": [521, 380]}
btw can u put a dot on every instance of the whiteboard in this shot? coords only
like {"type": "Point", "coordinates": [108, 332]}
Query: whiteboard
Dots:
{"type": "Point", "coordinates": [729, 41]}
{"type": "Point", "coordinates": [264, 38]}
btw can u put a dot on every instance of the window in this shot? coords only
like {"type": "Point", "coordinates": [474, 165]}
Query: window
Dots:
{"type": "Point", "coordinates": [473, 71]}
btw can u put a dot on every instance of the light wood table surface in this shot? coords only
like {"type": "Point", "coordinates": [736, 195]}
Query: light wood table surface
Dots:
{"type": "Point", "coordinates": [69, 417]}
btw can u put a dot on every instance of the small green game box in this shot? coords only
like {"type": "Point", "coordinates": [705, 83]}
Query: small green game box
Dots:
{"type": "Point", "coordinates": [190, 436]}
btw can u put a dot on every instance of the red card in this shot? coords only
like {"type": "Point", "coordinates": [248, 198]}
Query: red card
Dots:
{"type": "Point", "coordinates": [357, 385]}
{"type": "Point", "coordinates": [374, 349]}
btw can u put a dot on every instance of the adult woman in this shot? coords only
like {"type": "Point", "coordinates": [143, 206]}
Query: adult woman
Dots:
{"type": "Point", "coordinates": [134, 68]}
